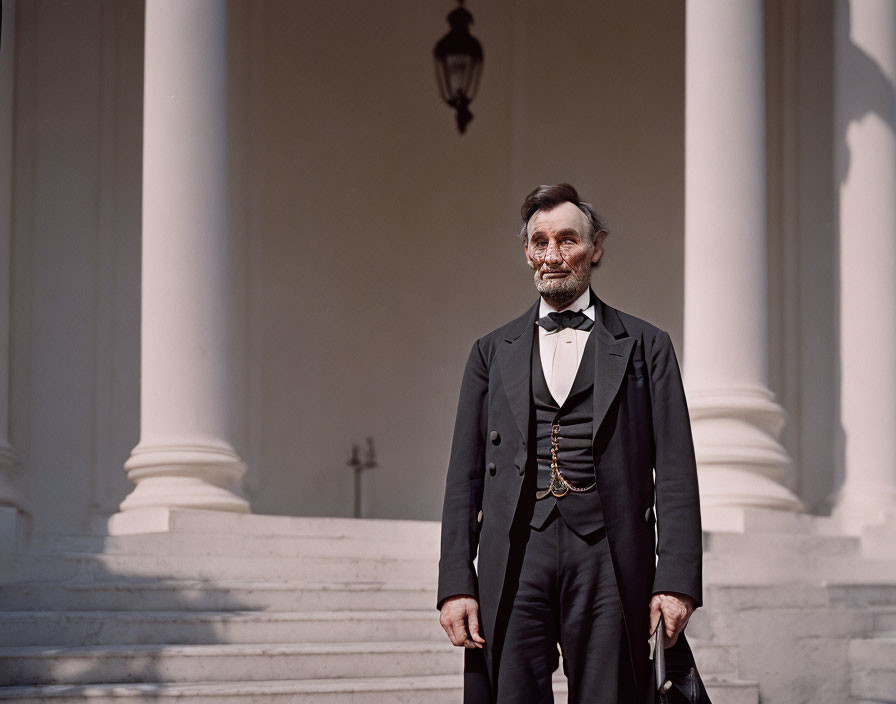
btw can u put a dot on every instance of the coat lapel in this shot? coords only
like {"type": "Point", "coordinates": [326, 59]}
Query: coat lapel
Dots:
{"type": "Point", "coordinates": [611, 355]}
{"type": "Point", "coordinates": [613, 348]}
{"type": "Point", "coordinates": [515, 361]}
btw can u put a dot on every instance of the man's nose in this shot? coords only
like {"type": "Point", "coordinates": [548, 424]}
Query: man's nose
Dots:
{"type": "Point", "coordinates": [553, 254]}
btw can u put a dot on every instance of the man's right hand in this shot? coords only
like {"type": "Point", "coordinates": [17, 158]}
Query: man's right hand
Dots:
{"type": "Point", "coordinates": [460, 619]}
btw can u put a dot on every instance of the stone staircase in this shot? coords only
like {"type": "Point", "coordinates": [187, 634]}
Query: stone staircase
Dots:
{"type": "Point", "coordinates": [813, 611]}
{"type": "Point", "coordinates": [247, 608]}
{"type": "Point", "coordinates": [229, 609]}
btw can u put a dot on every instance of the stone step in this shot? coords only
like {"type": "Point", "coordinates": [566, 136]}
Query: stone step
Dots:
{"type": "Point", "coordinates": [429, 689]}
{"type": "Point", "coordinates": [762, 520]}
{"type": "Point", "coordinates": [873, 667]}
{"type": "Point", "coordinates": [134, 663]}
{"type": "Point", "coordinates": [731, 691]}
{"type": "Point", "coordinates": [218, 595]}
{"type": "Point", "coordinates": [739, 596]}
{"type": "Point", "coordinates": [100, 567]}
{"type": "Point", "coordinates": [797, 623]}
{"type": "Point", "coordinates": [718, 660]}
{"type": "Point", "coordinates": [885, 621]}
{"type": "Point", "coordinates": [214, 544]}
{"type": "Point", "coordinates": [857, 569]}
{"type": "Point", "coordinates": [54, 628]}
{"type": "Point", "coordinates": [225, 663]}
{"type": "Point", "coordinates": [78, 629]}
{"type": "Point", "coordinates": [863, 594]}
{"type": "Point", "coordinates": [832, 608]}
{"type": "Point", "coordinates": [749, 570]}
{"type": "Point", "coordinates": [777, 545]}
{"type": "Point", "coordinates": [222, 522]}
{"type": "Point", "coordinates": [754, 568]}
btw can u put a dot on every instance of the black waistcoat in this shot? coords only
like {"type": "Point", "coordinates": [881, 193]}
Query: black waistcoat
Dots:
{"type": "Point", "coordinates": [581, 510]}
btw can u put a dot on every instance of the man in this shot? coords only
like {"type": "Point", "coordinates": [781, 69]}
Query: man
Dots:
{"type": "Point", "coordinates": [564, 415]}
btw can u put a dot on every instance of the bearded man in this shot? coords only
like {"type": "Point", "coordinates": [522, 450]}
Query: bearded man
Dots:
{"type": "Point", "coordinates": [565, 415]}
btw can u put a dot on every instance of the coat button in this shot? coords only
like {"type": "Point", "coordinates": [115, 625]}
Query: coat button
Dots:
{"type": "Point", "coordinates": [479, 517]}
{"type": "Point", "coordinates": [492, 468]}
{"type": "Point", "coordinates": [494, 437]}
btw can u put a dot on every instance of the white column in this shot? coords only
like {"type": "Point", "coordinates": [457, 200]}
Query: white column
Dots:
{"type": "Point", "coordinates": [865, 116]}
{"type": "Point", "coordinates": [11, 498]}
{"type": "Point", "coordinates": [735, 419]}
{"type": "Point", "coordinates": [185, 457]}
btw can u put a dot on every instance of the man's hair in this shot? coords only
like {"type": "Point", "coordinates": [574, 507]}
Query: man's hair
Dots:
{"type": "Point", "coordinates": [549, 197]}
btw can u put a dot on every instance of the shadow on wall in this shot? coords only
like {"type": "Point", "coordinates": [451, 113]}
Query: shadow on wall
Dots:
{"type": "Point", "coordinates": [862, 90]}
{"type": "Point", "coordinates": [866, 89]}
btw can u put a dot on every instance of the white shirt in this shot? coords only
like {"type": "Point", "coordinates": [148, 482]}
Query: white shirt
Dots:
{"type": "Point", "coordinates": [548, 341]}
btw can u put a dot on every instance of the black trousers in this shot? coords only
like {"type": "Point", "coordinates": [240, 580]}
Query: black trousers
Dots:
{"type": "Point", "coordinates": [561, 589]}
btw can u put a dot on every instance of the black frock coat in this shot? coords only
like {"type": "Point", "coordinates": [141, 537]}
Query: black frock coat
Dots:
{"type": "Point", "coordinates": [641, 425]}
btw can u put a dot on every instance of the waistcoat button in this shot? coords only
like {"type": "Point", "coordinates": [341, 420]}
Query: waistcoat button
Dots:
{"type": "Point", "coordinates": [492, 468]}
{"type": "Point", "coordinates": [494, 437]}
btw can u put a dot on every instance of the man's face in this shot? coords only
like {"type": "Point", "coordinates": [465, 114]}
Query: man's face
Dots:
{"type": "Point", "coordinates": [560, 252]}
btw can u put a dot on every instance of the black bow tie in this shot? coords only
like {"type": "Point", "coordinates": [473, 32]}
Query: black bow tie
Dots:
{"type": "Point", "coordinates": [565, 319]}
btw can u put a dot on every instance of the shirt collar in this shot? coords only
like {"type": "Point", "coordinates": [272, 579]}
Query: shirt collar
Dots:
{"type": "Point", "coordinates": [582, 303]}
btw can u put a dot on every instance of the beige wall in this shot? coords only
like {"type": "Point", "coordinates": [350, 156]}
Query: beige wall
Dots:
{"type": "Point", "coordinates": [75, 320]}
{"type": "Point", "coordinates": [383, 243]}
{"type": "Point", "coordinates": [380, 243]}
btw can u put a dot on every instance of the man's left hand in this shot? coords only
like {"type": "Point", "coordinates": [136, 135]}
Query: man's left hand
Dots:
{"type": "Point", "coordinates": [676, 609]}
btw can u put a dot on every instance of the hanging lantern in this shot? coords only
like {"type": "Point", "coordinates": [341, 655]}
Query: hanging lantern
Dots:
{"type": "Point", "coordinates": [458, 57]}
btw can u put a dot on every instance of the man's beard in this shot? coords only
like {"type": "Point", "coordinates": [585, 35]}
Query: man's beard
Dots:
{"type": "Point", "coordinates": [560, 292]}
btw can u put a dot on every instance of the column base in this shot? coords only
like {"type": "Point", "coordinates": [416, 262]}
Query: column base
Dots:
{"type": "Point", "coordinates": [201, 476]}
{"type": "Point", "coordinates": [726, 494]}
{"type": "Point", "coordinates": [741, 464]}
{"type": "Point", "coordinates": [184, 492]}
{"type": "Point", "coordinates": [154, 519]}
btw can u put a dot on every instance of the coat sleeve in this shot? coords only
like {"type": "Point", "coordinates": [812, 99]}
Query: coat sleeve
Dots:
{"type": "Point", "coordinates": [464, 483]}
{"type": "Point", "coordinates": [679, 531]}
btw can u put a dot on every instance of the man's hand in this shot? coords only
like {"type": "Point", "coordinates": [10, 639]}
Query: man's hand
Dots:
{"type": "Point", "coordinates": [676, 609]}
{"type": "Point", "coordinates": [460, 619]}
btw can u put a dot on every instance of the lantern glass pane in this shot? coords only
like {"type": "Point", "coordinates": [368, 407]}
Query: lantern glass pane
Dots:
{"type": "Point", "coordinates": [442, 80]}
{"type": "Point", "coordinates": [458, 69]}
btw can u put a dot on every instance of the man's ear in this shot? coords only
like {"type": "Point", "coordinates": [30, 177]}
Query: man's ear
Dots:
{"type": "Point", "coordinates": [598, 246]}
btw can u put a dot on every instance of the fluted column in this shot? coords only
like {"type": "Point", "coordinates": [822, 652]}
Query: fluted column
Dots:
{"type": "Point", "coordinates": [10, 491]}
{"type": "Point", "coordinates": [185, 457]}
{"type": "Point", "coordinates": [865, 117]}
{"type": "Point", "coordinates": [735, 419]}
